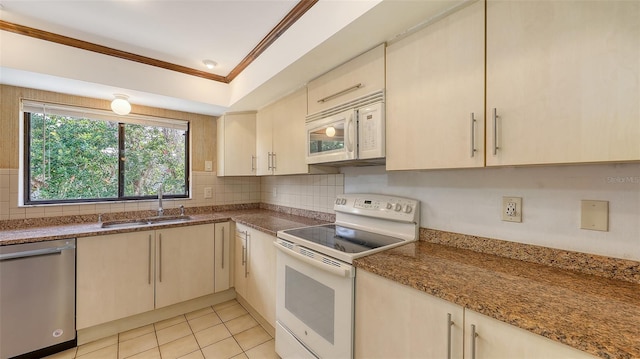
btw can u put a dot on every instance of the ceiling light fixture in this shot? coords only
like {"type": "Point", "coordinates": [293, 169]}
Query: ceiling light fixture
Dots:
{"type": "Point", "coordinates": [120, 104]}
{"type": "Point", "coordinates": [210, 64]}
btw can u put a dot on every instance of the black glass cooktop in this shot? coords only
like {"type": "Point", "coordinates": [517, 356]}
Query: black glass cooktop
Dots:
{"type": "Point", "coordinates": [344, 239]}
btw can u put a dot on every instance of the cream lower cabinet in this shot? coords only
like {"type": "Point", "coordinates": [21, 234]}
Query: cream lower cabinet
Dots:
{"type": "Point", "coordinates": [255, 270]}
{"type": "Point", "coordinates": [121, 275]}
{"type": "Point", "coordinates": [495, 339]}
{"type": "Point", "coordinates": [184, 263]}
{"type": "Point", "coordinates": [115, 277]}
{"type": "Point", "coordinates": [396, 321]}
{"type": "Point", "coordinates": [435, 94]}
{"type": "Point", "coordinates": [563, 79]}
{"type": "Point", "coordinates": [281, 137]}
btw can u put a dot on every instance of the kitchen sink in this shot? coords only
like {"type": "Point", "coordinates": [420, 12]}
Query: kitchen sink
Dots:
{"type": "Point", "coordinates": [145, 221]}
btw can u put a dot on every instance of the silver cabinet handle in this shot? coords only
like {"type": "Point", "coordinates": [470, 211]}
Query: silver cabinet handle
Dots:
{"type": "Point", "coordinates": [473, 134]}
{"type": "Point", "coordinates": [474, 335]}
{"type": "Point", "coordinates": [269, 161]}
{"type": "Point", "coordinates": [253, 166]}
{"type": "Point", "coordinates": [495, 131]}
{"type": "Point", "coordinates": [246, 254]}
{"type": "Point", "coordinates": [222, 248]}
{"type": "Point", "coordinates": [149, 280]}
{"type": "Point", "coordinates": [340, 93]}
{"type": "Point", "coordinates": [160, 256]}
{"type": "Point", "coordinates": [273, 161]}
{"type": "Point", "coordinates": [449, 325]}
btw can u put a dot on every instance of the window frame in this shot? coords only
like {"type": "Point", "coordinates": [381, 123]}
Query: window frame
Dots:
{"type": "Point", "coordinates": [26, 185]}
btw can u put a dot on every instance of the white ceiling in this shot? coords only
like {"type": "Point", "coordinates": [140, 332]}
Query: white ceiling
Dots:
{"type": "Point", "coordinates": [186, 32]}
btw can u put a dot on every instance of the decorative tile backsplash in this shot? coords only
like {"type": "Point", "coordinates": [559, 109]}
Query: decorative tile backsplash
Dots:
{"type": "Point", "coordinates": [310, 192]}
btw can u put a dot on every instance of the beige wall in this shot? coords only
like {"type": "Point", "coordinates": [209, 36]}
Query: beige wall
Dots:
{"type": "Point", "coordinates": [203, 128]}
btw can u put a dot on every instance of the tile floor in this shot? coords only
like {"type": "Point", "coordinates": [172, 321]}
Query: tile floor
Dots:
{"type": "Point", "coordinates": [223, 331]}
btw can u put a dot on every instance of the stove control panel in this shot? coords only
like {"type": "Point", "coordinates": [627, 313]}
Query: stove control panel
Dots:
{"type": "Point", "coordinates": [380, 206]}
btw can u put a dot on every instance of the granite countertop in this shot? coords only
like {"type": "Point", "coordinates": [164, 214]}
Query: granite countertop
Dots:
{"type": "Point", "coordinates": [597, 315]}
{"type": "Point", "coordinates": [265, 220]}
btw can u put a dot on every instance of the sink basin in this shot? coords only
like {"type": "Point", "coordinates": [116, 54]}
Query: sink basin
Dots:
{"type": "Point", "coordinates": [126, 223]}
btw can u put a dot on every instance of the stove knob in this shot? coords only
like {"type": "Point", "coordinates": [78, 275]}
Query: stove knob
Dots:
{"type": "Point", "coordinates": [343, 201]}
{"type": "Point", "coordinates": [408, 209]}
{"type": "Point", "coordinates": [389, 206]}
{"type": "Point", "coordinates": [398, 207]}
{"type": "Point", "coordinates": [337, 201]}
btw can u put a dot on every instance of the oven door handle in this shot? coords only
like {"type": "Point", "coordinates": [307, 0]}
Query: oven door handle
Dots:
{"type": "Point", "coordinates": [341, 272]}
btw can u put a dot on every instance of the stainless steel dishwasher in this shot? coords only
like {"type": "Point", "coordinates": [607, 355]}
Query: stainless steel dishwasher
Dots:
{"type": "Point", "coordinates": [37, 298]}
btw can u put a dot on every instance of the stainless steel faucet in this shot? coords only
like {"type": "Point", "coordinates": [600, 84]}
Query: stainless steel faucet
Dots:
{"type": "Point", "coordinates": [160, 209]}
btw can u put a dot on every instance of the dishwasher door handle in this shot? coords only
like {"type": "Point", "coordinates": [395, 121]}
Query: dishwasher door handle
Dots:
{"type": "Point", "coordinates": [35, 252]}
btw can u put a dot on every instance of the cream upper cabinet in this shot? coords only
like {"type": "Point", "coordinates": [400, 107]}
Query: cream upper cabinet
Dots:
{"type": "Point", "coordinates": [563, 78]}
{"type": "Point", "coordinates": [223, 238]}
{"type": "Point", "coordinates": [115, 277]}
{"type": "Point", "coordinates": [355, 78]}
{"type": "Point", "coordinates": [184, 263]}
{"type": "Point", "coordinates": [236, 144]}
{"type": "Point", "coordinates": [495, 339]}
{"type": "Point", "coordinates": [435, 94]}
{"type": "Point", "coordinates": [396, 321]}
{"type": "Point", "coordinates": [280, 140]}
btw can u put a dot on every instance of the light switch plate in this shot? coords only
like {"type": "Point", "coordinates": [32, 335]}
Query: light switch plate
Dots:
{"type": "Point", "coordinates": [594, 215]}
{"type": "Point", "coordinates": [208, 166]}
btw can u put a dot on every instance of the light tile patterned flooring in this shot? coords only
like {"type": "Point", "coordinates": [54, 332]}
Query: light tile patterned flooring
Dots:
{"type": "Point", "coordinates": [223, 331]}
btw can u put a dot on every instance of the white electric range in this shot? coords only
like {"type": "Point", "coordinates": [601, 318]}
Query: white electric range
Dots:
{"type": "Point", "coordinates": [315, 275]}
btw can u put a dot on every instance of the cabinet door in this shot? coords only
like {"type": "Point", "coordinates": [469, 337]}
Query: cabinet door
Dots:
{"type": "Point", "coordinates": [240, 260]}
{"type": "Point", "coordinates": [184, 263]}
{"type": "Point", "coordinates": [115, 277]}
{"type": "Point", "coordinates": [222, 256]}
{"type": "Point", "coordinates": [435, 94]}
{"type": "Point", "coordinates": [261, 293]}
{"type": "Point", "coordinates": [396, 321]}
{"type": "Point", "coordinates": [340, 84]}
{"type": "Point", "coordinates": [264, 140]}
{"type": "Point", "coordinates": [236, 144]}
{"type": "Point", "coordinates": [289, 136]}
{"type": "Point", "coordinates": [564, 80]}
{"type": "Point", "coordinates": [496, 339]}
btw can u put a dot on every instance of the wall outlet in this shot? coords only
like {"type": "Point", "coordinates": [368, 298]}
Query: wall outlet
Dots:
{"type": "Point", "coordinates": [512, 209]}
{"type": "Point", "coordinates": [208, 192]}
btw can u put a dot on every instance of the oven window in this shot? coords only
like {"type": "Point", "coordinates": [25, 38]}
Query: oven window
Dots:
{"type": "Point", "coordinates": [310, 301]}
{"type": "Point", "coordinates": [327, 139]}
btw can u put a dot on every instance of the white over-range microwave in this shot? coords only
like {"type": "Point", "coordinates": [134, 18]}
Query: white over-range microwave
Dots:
{"type": "Point", "coordinates": [354, 131]}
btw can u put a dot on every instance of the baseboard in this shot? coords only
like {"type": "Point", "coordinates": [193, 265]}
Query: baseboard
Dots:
{"type": "Point", "coordinates": [121, 325]}
{"type": "Point", "coordinates": [263, 322]}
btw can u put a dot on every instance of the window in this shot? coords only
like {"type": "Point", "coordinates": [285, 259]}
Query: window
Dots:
{"type": "Point", "coordinates": [84, 155]}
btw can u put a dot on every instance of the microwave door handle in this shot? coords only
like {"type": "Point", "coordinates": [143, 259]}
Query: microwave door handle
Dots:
{"type": "Point", "coordinates": [348, 138]}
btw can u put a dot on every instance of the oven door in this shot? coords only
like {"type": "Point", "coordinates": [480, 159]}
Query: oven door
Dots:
{"type": "Point", "coordinates": [332, 138]}
{"type": "Point", "coordinates": [314, 304]}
